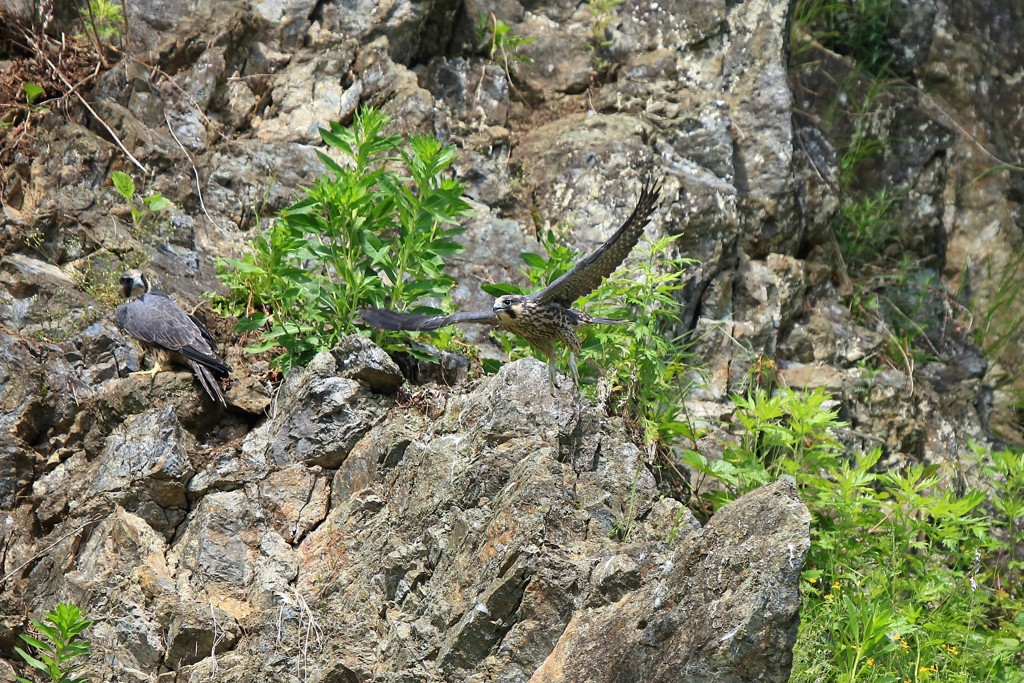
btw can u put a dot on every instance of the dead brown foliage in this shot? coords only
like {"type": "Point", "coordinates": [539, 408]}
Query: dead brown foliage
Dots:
{"type": "Point", "coordinates": [55, 61]}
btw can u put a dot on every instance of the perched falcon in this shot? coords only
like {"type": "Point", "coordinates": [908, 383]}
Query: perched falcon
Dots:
{"type": "Point", "coordinates": [152, 317]}
{"type": "Point", "coordinates": [545, 316]}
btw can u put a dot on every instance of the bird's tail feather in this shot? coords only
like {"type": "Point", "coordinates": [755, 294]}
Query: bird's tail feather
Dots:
{"type": "Point", "coordinates": [209, 382]}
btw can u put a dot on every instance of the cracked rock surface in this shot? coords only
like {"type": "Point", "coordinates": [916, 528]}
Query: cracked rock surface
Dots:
{"type": "Point", "coordinates": [468, 538]}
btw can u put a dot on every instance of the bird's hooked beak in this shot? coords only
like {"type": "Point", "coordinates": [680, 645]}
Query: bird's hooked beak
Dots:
{"type": "Point", "coordinates": [503, 307]}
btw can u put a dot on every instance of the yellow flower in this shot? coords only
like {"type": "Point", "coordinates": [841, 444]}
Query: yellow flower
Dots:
{"type": "Point", "coordinates": [813, 579]}
{"type": "Point", "coordinates": [836, 585]}
{"type": "Point", "coordinates": [829, 596]}
{"type": "Point", "coordinates": [905, 645]}
{"type": "Point", "coordinates": [871, 661]}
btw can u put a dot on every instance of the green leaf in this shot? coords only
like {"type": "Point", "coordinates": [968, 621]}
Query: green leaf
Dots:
{"type": "Point", "coordinates": [337, 142]}
{"type": "Point", "coordinates": [445, 247]}
{"type": "Point", "coordinates": [501, 289]}
{"type": "Point", "coordinates": [491, 365]}
{"type": "Point", "coordinates": [157, 203]}
{"type": "Point", "coordinates": [533, 260]}
{"type": "Point", "coordinates": [327, 161]}
{"type": "Point", "coordinates": [30, 660]}
{"type": "Point", "coordinates": [32, 92]}
{"type": "Point", "coordinates": [35, 643]}
{"type": "Point", "coordinates": [50, 632]}
{"type": "Point", "coordinates": [124, 184]}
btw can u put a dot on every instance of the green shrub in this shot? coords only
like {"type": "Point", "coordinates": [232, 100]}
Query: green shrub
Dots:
{"type": "Point", "coordinates": [863, 29]}
{"type": "Point", "coordinates": [371, 232]}
{"type": "Point", "coordinates": [60, 643]}
{"type": "Point", "coordinates": [906, 579]}
{"type": "Point", "coordinates": [146, 218]}
{"type": "Point", "coordinates": [499, 44]}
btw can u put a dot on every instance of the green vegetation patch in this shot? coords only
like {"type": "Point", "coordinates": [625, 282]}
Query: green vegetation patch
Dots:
{"type": "Point", "coordinates": [372, 231]}
{"type": "Point", "coordinates": [908, 579]}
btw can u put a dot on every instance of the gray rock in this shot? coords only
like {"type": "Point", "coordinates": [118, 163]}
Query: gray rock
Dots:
{"type": "Point", "coordinates": [318, 418]}
{"type": "Point", "coordinates": [17, 462]}
{"type": "Point", "coordinates": [478, 92]}
{"type": "Point", "coordinates": [361, 359]}
{"type": "Point", "coordinates": [738, 578]}
{"type": "Point", "coordinates": [616, 576]}
{"type": "Point", "coordinates": [143, 468]}
{"type": "Point", "coordinates": [124, 545]}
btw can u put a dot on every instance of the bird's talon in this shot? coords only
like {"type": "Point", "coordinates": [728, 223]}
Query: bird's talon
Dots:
{"type": "Point", "coordinates": [151, 372]}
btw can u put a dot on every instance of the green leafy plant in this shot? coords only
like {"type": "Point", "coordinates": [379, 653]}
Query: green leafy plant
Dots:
{"type": "Point", "coordinates": [604, 13]}
{"type": "Point", "coordinates": [32, 92]}
{"type": "Point", "coordinates": [499, 44]}
{"type": "Point", "coordinates": [999, 329]}
{"type": "Point", "coordinates": [372, 231]}
{"type": "Point", "coordinates": [97, 273]}
{"type": "Point", "coordinates": [102, 20]}
{"type": "Point", "coordinates": [864, 30]}
{"type": "Point", "coordinates": [152, 205]}
{"type": "Point", "coordinates": [60, 643]}
{"type": "Point", "coordinates": [907, 578]}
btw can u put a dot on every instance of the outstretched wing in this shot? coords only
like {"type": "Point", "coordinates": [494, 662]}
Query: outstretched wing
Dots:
{"type": "Point", "coordinates": [393, 320]}
{"type": "Point", "coordinates": [155, 319]}
{"type": "Point", "coordinates": [586, 275]}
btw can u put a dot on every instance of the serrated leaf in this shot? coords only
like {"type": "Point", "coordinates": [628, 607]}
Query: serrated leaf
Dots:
{"type": "Point", "coordinates": [124, 184]}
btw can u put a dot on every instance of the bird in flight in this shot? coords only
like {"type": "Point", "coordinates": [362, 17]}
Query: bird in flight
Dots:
{"type": "Point", "coordinates": [152, 317]}
{"type": "Point", "coordinates": [547, 316]}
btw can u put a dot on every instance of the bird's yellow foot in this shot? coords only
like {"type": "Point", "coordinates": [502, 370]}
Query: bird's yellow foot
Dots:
{"type": "Point", "coordinates": [151, 372]}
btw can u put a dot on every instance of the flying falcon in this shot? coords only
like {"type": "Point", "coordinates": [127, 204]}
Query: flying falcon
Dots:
{"type": "Point", "coordinates": [545, 316]}
{"type": "Point", "coordinates": [152, 317]}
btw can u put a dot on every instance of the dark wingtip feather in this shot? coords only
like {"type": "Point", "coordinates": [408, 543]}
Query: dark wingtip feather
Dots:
{"type": "Point", "coordinates": [208, 382]}
{"type": "Point", "coordinates": [380, 318]}
{"type": "Point", "coordinates": [392, 320]}
{"type": "Point", "coordinates": [211, 362]}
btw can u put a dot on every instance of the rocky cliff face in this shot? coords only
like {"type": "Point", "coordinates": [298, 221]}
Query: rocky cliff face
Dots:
{"type": "Point", "coordinates": [353, 536]}
{"type": "Point", "coordinates": [335, 529]}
